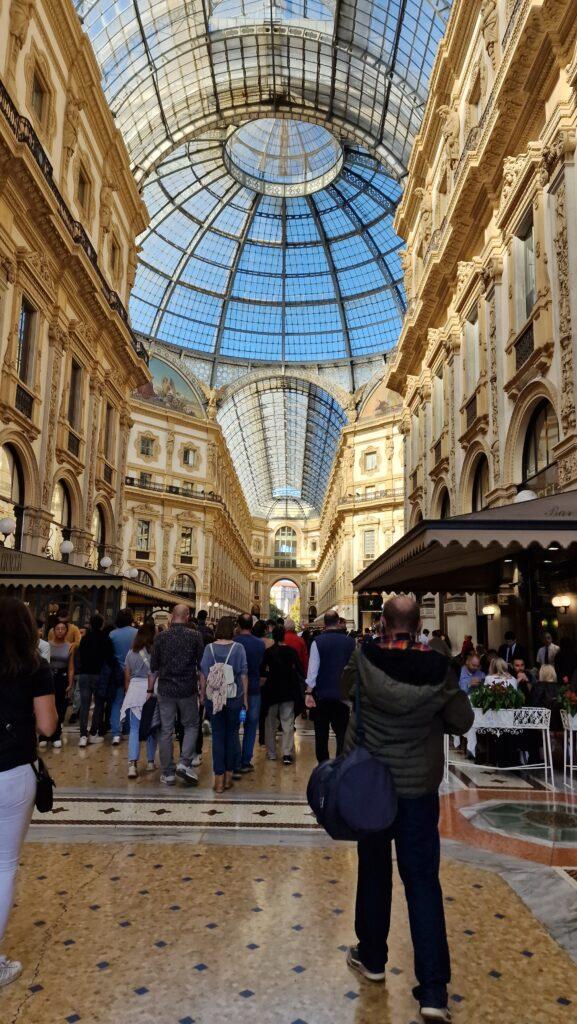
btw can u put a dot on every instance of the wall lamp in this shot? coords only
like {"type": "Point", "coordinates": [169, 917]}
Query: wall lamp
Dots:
{"type": "Point", "coordinates": [490, 610]}
{"type": "Point", "coordinates": [562, 602]}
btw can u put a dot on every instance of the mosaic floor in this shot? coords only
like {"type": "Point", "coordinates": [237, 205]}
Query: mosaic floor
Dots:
{"type": "Point", "coordinates": [138, 904]}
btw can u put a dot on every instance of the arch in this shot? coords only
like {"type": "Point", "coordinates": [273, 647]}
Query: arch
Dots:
{"type": "Point", "coordinates": [541, 437]}
{"type": "Point", "coordinates": [184, 583]}
{"type": "Point", "coordinates": [439, 500]}
{"type": "Point", "coordinates": [368, 394]}
{"type": "Point", "coordinates": [164, 355]}
{"type": "Point", "coordinates": [465, 490]}
{"type": "Point", "coordinates": [12, 493]}
{"type": "Point", "coordinates": [525, 405]}
{"type": "Point", "coordinates": [481, 485]}
{"type": "Point", "coordinates": [25, 453]}
{"type": "Point", "coordinates": [340, 395]}
{"type": "Point", "coordinates": [103, 501]}
{"type": "Point", "coordinates": [416, 516]}
{"type": "Point", "coordinates": [146, 577]}
{"type": "Point", "coordinates": [68, 478]}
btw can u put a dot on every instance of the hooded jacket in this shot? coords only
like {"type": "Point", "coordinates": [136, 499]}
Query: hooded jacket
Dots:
{"type": "Point", "coordinates": [409, 699]}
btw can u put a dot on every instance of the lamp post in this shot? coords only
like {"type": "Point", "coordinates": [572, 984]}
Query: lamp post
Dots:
{"type": "Point", "coordinates": [7, 528]}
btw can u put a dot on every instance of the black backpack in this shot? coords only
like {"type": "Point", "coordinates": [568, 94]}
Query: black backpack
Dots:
{"type": "Point", "coordinates": [353, 796]}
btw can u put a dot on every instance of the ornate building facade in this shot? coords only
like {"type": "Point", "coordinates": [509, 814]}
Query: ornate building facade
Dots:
{"type": "Point", "coordinates": [69, 214]}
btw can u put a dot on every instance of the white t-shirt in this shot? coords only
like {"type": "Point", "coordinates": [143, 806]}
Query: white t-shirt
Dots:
{"type": "Point", "coordinates": [507, 680]}
{"type": "Point", "coordinates": [44, 648]}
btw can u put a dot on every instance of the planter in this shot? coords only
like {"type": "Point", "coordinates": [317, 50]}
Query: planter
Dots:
{"type": "Point", "coordinates": [569, 721]}
{"type": "Point", "coordinates": [512, 719]}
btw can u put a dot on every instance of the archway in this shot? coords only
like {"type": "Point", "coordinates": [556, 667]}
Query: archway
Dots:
{"type": "Point", "coordinates": [12, 493]}
{"type": "Point", "coordinates": [285, 600]}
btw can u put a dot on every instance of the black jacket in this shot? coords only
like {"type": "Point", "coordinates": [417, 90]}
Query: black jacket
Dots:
{"type": "Point", "coordinates": [409, 700]}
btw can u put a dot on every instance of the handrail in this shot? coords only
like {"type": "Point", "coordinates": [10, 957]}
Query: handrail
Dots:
{"type": "Point", "coordinates": [24, 132]}
{"type": "Point", "coordinates": [185, 492]}
{"type": "Point", "coordinates": [359, 499]}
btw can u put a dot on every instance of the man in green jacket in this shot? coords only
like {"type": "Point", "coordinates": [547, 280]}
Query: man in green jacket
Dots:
{"type": "Point", "coordinates": [409, 699]}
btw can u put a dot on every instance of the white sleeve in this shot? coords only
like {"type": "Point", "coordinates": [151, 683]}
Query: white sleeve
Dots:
{"type": "Point", "coordinates": [314, 665]}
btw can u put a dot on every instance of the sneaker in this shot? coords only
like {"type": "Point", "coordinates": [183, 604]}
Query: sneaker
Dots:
{"type": "Point", "coordinates": [287, 759]}
{"type": "Point", "coordinates": [9, 970]}
{"type": "Point", "coordinates": [83, 741]}
{"type": "Point", "coordinates": [187, 775]}
{"type": "Point", "coordinates": [132, 770]}
{"type": "Point", "coordinates": [168, 780]}
{"type": "Point", "coordinates": [246, 768]}
{"type": "Point", "coordinates": [42, 744]}
{"type": "Point", "coordinates": [196, 761]}
{"type": "Point", "coordinates": [57, 744]}
{"type": "Point", "coordinates": [96, 739]}
{"type": "Point", "coordinates": [237, 774]}
{"type": "Point", "coordinates": [441, 1013]}
{"type": "Point", "coordinates": [354, 961]}
{"type": "Point", "coordinates": [206, 728]}
{"type": "Point", "coordinates": [115, 741]}
{"type": "Point", "coordinates": [150, 766]}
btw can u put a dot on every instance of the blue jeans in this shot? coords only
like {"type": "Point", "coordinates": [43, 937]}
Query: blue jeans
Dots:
{"type": "Point", "coordinates": [115, 726]}
{"type": "Point", "coordinates": [416, 835]}
{"type": "Point", "coordinates": [134, 741]}
{"type": "Point", "coordinates": [225, 741]}
{"type": "Point", "coordinates": [250, 728]}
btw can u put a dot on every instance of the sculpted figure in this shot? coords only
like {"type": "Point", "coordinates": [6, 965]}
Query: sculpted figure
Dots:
{"type": "Point", "coordinates": [451, 132]}
{"type": "Point", "coordinates": [490, 27]}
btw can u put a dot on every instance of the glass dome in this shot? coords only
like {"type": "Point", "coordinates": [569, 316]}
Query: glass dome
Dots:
{"type": "Point", "coordinates": [228, 271]}
{"type": "Point", "coordinates": [282, 157]}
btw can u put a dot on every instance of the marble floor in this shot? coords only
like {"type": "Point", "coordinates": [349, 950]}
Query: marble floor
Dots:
{"type": "Point", "coordinates": [138, 904]}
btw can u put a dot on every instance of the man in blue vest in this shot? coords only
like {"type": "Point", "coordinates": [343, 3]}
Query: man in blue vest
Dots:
{"type": "Point", "coordinates": [330, 654]}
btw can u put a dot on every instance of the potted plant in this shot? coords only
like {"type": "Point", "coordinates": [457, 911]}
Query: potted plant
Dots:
{"type": "Point", "coordinates": [568, 705]}
{"type": "Point", "coordinates": [499, 697]}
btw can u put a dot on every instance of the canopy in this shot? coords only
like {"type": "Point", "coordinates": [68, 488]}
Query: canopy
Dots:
{"type": "Point", "coordinates": [464, 554]}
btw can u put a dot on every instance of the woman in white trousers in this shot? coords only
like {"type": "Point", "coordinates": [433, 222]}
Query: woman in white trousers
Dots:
{"type": "Point", "coordinates": [26, 706]}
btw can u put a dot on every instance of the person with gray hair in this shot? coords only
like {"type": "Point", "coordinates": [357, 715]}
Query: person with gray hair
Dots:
{"type": "Point", "coordinates": [409, 697]}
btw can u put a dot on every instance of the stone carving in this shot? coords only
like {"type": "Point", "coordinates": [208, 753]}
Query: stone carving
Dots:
{"type": "Point", "coordinates": [494, 389]}
{"type": "Point", "coordinates": [58, 339]}
{"type": "Point", "coordinates": [490, 28]}
{"type": "Point", "coordinates": [451, 132]}
{"type": "Point", "coordinates": [568, 418]}
{"type": "Point", "coordinates": [20, 16]}
{"type": "Point", "coordinates": [9, 268]}
{"type": "Point", "coordinates": [424, 194]}
{"type": "Point", "coordinates": [407, 265]}
{"type": "Point", "coordinates": [212, 404]}
{"type": "Point", "coordinates": [39, 264]}
{"type": "Point", "coordinates": [211, 462]}
{"type": "Point", "coordinates": [70, 129]}
{"type": "Point", "coordinates": [106, 193]}
{"type": "Point", "coordinates": [92, 454]}
{"type": "Point", "coordinates": [132, 265]}
{"type": "Point", "coordinates": [511, 167]}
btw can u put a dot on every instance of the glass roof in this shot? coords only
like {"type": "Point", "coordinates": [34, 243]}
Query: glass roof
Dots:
{"type": "Point", "coordinates": [282, 434]}
{"type": "Point", "coordinates": [229, 272]}
{"type": "Point", "coordinates": [282, 157]}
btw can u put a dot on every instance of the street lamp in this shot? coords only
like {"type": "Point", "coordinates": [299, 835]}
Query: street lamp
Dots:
{"type": "Point", "coordinates": [7, 527]}
{"type": "Point", "coordinates": [105, 562]}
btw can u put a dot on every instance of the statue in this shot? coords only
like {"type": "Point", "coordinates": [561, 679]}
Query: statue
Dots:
{"type": "Point", "coordinates": [424, 194]}
{"type": "Point", "coordinates": [132, 265]}
{"type": "Point", "coordinates": [20, 15]}
{"type": "Point", "coordinates": [407, 265]}
{"type": "Point", "coordinates": [106, 193]}
{"type": "Point", "coordinates": [451, 132]}
{"type": "Point", "coordinates": [70, 129]}
{"type": "Point", "coordinates": [490, 28]}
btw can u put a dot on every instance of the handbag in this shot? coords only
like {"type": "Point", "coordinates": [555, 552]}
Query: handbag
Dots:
{"type": "Point", "coordinates": [45, 786]}
{"type": "Point", "coordinates": [149, 718]}
{"type": "Point", "coordinates": [353, 796]}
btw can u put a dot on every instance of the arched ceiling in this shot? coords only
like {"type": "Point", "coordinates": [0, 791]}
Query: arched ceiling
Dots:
{"type": "Point", "coordinates": [173, 68]}
{"type": "Point", "coordinates": [282, 434]}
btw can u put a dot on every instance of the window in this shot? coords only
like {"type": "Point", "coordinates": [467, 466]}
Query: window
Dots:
{"type": "Point", "coordinates": [145, 479]}
{"type": "Point", "coordinates": [370, 491]}
{"type": "Point", "coordinates": [313, 590]}
{"type": "Point", "coordinates": [445, 506]}
{"type": "Point", "coordinates": [25, 339]}
{"type": "Point", "coordinates": [188, 456]}
{"type": "Point", "coordinates": [471, 354]}
{"type": "Point", "coordinates": [540, 440]}
{"type": "Point", "coordinates": [480, 485]}
{"type": "Point", "coordinates": [526, 270]}
{"type": "Point", "coordinates": [256, 590]}
{"type": "Point", "coordinates": [143, 535]}
{"type": "Point", "coordinates": [285, 548]}
{"type": "Point", "coordinates": [74, 397]}
{"type": "Point", "coordinates": [11, 493]}
{"type": "Point", "coordinates": [38, 97]}
{"type": "Point", "coordinates": [114, 257]}
{"type": "Point", "coordinates": [185, 585]}
{"type": "Point", "coordinates": [147, 446]}
{"type": "Point", "coordinates": [61, 513]}
{"type": "Point", "coordinates": [186, 543]}
{"type": "Point", "coordinates": [313, 545]}
{"type": "Point", "coordinates": [83, 189]}
{"type": "Point", "coordinates": [144, 577]}
{"type": "Point", "coordinates": [108, 431]}
{"type": "Point", "coordinates": [438, 402]}
{"type": "Point", "coordinates": [370, 461]}
{"type": "Point", "coordinates": [368, 545]}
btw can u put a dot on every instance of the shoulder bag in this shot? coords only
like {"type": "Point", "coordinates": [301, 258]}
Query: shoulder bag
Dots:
{"type": "Point", "coordinates": [353, 796]}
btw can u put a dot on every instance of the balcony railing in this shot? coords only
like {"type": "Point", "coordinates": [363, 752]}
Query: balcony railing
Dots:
{"type": "Point", "coordinates": [471, 411]}
{"type": "Point", "coordinates": [107, 473]}
{"type": "Point", "coordinates": [285, 563]}
{"type": "Point", "coordinates": [24, 132]}
{"type": "Point", "coordinates": [73, 443]}
{"type": "Point", "coordinates": [24, 401]}
{"type": "Point", "coordinates": [524, 346]}
{"type": "Point", "coordinates": [359, 499]}
{"type": "Point", "coordinates": [185, 492]}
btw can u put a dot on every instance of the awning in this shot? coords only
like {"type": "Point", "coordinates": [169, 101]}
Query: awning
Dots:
{"type": "Point", "coordinates": [464, 554]}
{"type": "Point", "coordinates": [155, 595]}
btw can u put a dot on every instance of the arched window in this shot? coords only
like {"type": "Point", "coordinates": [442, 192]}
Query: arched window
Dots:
{"type": "Point", "coordinates": [11, 493]}
{"type": "Point", "coordinates": [98, 547]}
{"type": "Point", "coordinates": [480, 485]}
{"type": "Point", "coordinates": [445, 505]}
{"type": "Point", "coordinates": [541, 437]}
{"type": "Point", "coordinates": [185, 585]}
{"type": "Point", "coordinates": [144, 577]}
{"type": "Point", "coordinates": [60, 510]}
{"type": "Point", "coordinates": [285, 548]}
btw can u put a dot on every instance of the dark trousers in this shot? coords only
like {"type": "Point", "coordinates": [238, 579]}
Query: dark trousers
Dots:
{"type": "Point", "coordinates": [89, 687]}
{"type": "Point", "coordinates": [330, 713]}
{"type": "Point", "coordinates": [416, 836]}
{"type": "Point", "coordinates": [60, 680]}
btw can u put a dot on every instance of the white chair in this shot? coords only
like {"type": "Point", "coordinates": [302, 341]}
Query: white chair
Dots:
{"type": "Point", "coordinates": [514, 721]}
{"type": "Point", "coordinates": [569, 729]}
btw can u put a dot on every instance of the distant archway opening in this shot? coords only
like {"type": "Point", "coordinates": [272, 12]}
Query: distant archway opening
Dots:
{"type": "Point", "coordinates": [285, 600]}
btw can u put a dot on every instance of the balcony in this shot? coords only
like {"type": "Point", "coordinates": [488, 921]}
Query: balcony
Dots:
{"type": "Point", "coordinates": [389, 494]}
{"type": "Point", "coordinates": [73, 444]}
{"type": "Point", "coordinates": [24, 401]}
{"type": "Point", "coordinates": [24, 132]}
{"type": "Point", "coordinates": [183, 492]}
{"type": "Point", "coordinates": [524, 346]}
